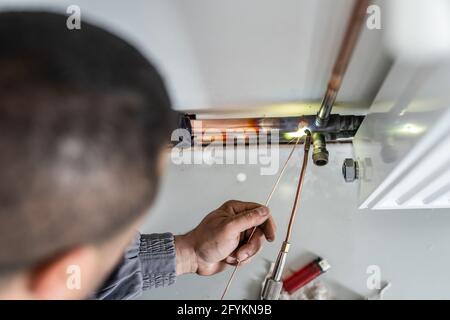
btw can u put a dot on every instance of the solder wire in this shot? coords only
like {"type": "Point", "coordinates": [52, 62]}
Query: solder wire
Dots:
{"type": "Point", "coordinates": [269, 197]}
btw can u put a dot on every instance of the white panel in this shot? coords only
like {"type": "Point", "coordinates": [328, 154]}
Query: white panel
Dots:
{"type": "Point", "coordinates": [418, 30]}
{"type": "Point", "coordinates": [329, 224]}
{"type": "Point", "coordinates": [422, 179]}
{"type": "Point", "coordinates": [239, 53]}
{"type": "Point", "coordinates": [403, 145]}
{"type": "Point", "coordinates": [156, 27]}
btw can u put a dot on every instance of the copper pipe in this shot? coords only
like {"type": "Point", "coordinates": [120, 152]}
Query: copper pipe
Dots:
{"type": "Point", "coordinates": [299, 188]}
{"type": "Point", "coordinates": [351, 35]}
{"type": "Point", "coordinates": [250, 130]}
{"type": "Point", "coordinates": [266, 204]}
{"type": "Point", "coordinates": [273, 285]}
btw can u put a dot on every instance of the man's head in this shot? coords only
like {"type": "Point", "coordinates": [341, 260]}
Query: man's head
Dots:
{"type": "Point", "coordinates": [83, 119]}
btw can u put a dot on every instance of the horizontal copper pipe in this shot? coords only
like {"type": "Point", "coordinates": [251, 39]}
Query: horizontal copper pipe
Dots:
{"type": "Point", "coordinates": [207, 130]}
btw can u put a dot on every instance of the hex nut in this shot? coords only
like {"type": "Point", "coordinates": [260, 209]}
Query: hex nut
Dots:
{"type": "Point", "coordinates": [350, 170]}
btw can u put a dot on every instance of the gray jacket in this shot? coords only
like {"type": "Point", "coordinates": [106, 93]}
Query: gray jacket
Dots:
{"type": "Point", "coordinates": [148, 263]}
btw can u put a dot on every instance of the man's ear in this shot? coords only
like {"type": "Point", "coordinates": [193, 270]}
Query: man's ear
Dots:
{"type": "Point", "coordinates": [71, 275]}
{"type": "Point", "coordinates": [162, 160]}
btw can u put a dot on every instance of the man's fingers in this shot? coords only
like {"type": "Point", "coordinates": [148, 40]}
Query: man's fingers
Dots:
{"type": "Point", "coordinates": [231, 260]}
{"type": "Point", "coordinates": [234, 262]}
{"type": "Point", "coordinates": [244, 210]}
{"type": "Point", "coordinates": [269, 228]}
{"type": "Point", "coordinates": [252, 247]}
{"type": "Point", "coordinates": [249, 219]}
{"type": "Point", "coordinates": [236, 207]}
{"type": "Point", "coordinates": [243, 263]}
{"type": "Point", "coordinates": [248, 250]}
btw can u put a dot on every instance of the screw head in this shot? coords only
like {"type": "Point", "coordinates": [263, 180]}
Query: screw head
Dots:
{"type": "Point", "coordinates": [350, 170]}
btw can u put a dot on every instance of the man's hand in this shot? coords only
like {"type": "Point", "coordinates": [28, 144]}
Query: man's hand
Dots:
{"type": "Point", "coordinates": [221, 238]}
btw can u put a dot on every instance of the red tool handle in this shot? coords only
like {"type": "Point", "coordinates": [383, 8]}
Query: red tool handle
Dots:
{"type": "Point", "coordinates": [305, 275]}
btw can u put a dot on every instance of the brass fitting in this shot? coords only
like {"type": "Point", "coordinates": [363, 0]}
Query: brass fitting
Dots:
{"type": "Point", "coordinates": [320, 152]}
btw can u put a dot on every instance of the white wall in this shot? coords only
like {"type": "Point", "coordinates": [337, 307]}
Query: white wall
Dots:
{"type": "Point", "coordinates": [249, 52]}
{"type": "Point", "coordinates": [232, 53]}
{"type": "Point", "coordinates": [410, 247]}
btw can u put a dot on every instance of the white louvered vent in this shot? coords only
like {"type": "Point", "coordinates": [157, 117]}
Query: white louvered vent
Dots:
{"type": "Point", "coordinates": [422, 179]}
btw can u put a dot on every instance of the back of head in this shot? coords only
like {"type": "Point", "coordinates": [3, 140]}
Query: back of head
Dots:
{"type": "Point", "coordinates": [83, 117]}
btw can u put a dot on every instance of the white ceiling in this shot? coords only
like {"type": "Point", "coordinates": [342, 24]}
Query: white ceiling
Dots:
{"type": "Point", "coordinates": [235, 53]}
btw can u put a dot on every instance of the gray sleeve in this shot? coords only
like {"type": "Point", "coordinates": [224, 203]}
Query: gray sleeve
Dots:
{"type": "Point", "coordinates": [148, 263]}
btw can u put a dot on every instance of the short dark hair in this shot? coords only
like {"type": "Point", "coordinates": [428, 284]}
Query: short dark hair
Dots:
{"type": "Point", "coordinates": [83, 118]}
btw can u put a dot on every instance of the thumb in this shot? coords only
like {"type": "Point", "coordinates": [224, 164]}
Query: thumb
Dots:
{"type": "Point", "coordinates": [249, 219]}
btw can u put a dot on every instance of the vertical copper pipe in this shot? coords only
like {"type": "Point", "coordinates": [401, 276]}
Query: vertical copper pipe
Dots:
{"type": "Point", "coordinates": [348, 44]}
{"type": "Point", "coordinates": [299, 187]}
{"type": "Point", "coordinates": [273, 285]}
{"type": "Point", "coordinates": [280, 175]}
